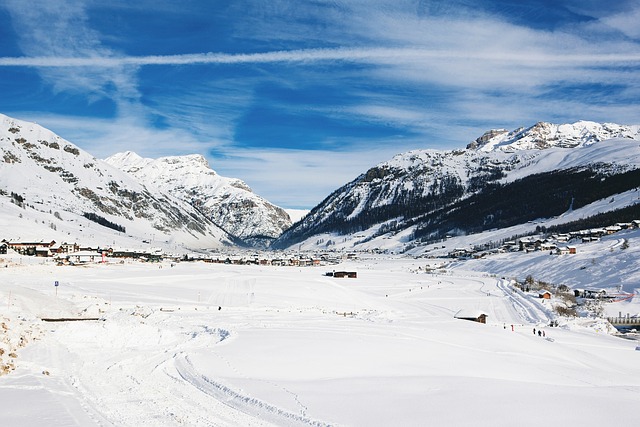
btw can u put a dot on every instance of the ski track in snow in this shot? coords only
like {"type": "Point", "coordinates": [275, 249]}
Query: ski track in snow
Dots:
{"type": "Point", "coordinates": [530, 311]}
{"type": "Point", "coordinates": [234, 399]}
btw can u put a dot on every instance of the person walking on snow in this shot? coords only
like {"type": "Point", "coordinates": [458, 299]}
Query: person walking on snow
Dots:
{"type": "Point", "coordinates": [534, 331]}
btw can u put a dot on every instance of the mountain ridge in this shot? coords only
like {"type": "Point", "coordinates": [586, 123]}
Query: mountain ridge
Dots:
{"type": "Point", "coordinates": [228, 202]}
{"type": "Point", "coordinates": [502, 179]}
{"type": "Point", "coordinates": [545, 135]}
{"type": "Point", "coordinates": [416, 195]}
{"type": "Point", "coordinates": [59, 182]}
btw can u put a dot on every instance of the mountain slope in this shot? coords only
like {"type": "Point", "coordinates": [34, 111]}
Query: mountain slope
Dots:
{"type": "Point", "coordinates": [228, 202]}
{"type": "Point", "coordinates": [49, 174]}
{"type": "Point", "coordinates": [499, 181]}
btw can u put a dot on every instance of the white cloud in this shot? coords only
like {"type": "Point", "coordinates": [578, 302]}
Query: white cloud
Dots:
{"type": "Point", "coordinates": [365, 55]}
{"type": "Point", "coordinates": [297, 178]}
{"type": "Point", "coordinates": [627, 22]}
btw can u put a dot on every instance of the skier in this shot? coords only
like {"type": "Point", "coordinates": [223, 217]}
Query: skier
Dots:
{"type": "Point", "coordinates": [534, 331]}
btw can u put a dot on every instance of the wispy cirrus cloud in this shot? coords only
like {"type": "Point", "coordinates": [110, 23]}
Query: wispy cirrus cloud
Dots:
{"type": "Point", "coordinates": [61, 30]}
{"type": "Point", "coordinates": [366, 55]}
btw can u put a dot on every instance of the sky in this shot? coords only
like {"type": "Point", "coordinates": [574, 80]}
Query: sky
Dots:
{"type": "Point", "coordinates": [297, 98]}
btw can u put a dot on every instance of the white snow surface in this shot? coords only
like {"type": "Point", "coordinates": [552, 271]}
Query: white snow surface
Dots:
{"type": "Point", "coordinates": [222, 345]}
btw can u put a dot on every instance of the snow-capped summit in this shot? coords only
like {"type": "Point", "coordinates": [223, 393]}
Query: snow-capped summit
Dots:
{"type": "Point", "coordinates": [228, 202]}
{"type": "Point", "coordinates": [545, 135]}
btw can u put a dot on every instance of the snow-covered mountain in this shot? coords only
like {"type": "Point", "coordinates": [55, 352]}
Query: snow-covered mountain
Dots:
{"type": "Point", "coordinates": [502, 179]}
{"type": "Point", "coordinates": [228, 202]}
{"type": "Point", "coordinates": [545, 135]}
{"type": "Point", "coordinates": [51, 181]}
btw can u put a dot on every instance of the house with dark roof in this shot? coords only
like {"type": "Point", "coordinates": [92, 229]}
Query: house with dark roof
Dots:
{"type": "Point", "coordinates": [472, 314]}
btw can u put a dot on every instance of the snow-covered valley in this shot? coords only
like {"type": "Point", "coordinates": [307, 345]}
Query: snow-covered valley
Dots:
{"type": "Point", "coordinates": [200, 344]}
{"type": "Point", "coordinates": [131, 343]}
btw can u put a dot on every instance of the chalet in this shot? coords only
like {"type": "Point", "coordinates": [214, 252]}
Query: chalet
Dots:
{"type": "Point", "coordinates": [472, 315]}
{"type": "Point", "coordinates": [3, 248]}
{"type": "Point", "coordinates": [548, 246]}
{"type": "Point", "coordinates": [32, 247]}
{"type": "Point", "coordinates": [529, 244]}
{"type": "Point", "coordinates": [349, 274]}
{"type": "Point", "coordinates": [42, 252]}
{"type": "Point", "coordinates": [309, 262]}
{"type": "Point", "coordinates": [510, 246]}
{"type": "Point", "coordinates": [544, 294]}
{"type": "Point", "coordinates": [590, 239]}
{"type": "Point", "coordinates": [612, 229]}
{"type": "Point", "coordinates": [565, 250]}
{"type": "Point", "coordinates": [67, 248]}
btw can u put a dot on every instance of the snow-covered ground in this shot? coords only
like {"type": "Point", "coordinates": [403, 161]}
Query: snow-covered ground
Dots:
{"type": "Point", "coordinates": [222, 345]}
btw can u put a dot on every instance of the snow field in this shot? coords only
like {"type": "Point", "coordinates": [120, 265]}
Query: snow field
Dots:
{"type": "Point", "coordinates": [290, 346]}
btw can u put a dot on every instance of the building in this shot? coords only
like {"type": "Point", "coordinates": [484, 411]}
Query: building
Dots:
{"type": "Point", "coordinates": [544, 294]}
{"type": "Point", "coordinates": [566, 250]}
{"type": "Point", "coordinates": [32, 247]}
{"type": "Point", "coordinates": [472, 315]}
{"type": "Point", "coordinates": [349, 274]}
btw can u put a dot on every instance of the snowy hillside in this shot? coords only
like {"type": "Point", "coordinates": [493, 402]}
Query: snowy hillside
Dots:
{"type": "Point", "coordinates": [48, 181]}
{"type": "Point", "coordinates": [228, 202]}
{"type": "Point", "coordinates": [426, 195]}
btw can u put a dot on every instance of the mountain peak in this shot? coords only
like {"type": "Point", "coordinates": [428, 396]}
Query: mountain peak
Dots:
{"type": "Point", "coordinates": [226, 201]}
{"type": "Point", "coordinates": [56, 179]}
{"type": "Point", "coordinates": [544, 135]}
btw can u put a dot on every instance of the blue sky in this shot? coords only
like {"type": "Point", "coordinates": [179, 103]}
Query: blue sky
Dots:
{"type": "Point", "coordinates": [299, 97]}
